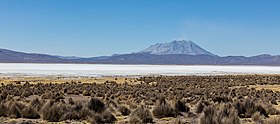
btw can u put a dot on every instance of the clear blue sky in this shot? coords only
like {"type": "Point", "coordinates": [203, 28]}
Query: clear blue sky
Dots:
{"type": "Point", "coordinates": [103, 27]}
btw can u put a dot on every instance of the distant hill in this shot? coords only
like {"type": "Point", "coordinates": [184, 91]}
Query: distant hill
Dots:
{"type": "Point", "coordinates": [182, 59]}
{"type": "Point", "coordinates": [176, 47]}
{"type": "Point", "coordinates": [69, 57]}
{"type": "Point", "coordinates": [175, 52]}
{"type": "Point", "coordinates": [8, 56]}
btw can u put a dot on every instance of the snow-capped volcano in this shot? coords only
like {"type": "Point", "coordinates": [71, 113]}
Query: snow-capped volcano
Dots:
{"type": "Point", "coordinates": [176, 47]}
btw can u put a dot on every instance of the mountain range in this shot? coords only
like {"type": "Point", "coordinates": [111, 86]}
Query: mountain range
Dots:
{"type": "Point", "coordinates": [179, 52]}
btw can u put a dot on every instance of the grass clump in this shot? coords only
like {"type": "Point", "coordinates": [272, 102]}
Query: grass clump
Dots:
{"type": "Point", "coordinates": [220, 114]}
{"type": "Point", "coordinates": [14, 109]}
{"type": "Point", "coordinates": [248, 107]}
{"type": "Point", "coordinates": [30, 113]}
{"type": "Point", "coordinates": [273, 120]}
{"type": "Point", "coordinates": [124, 110]}
{"type": "Point", "coordinates": [52, 111]}
{"type": "Point", "coordinates": [163, 109]}
{"type": "Point", "coordinates": [141, 115]}
{"type": "Point", "coordinates": [181, 107]}
{"type": "Point", "coordinates": [3, 110]}
{"type": "Point", "coordinates": [105, 117]}
{"type": "Point", "coordinates": [256, 117]}
{"type": "Point", "coordinates": [96, 105]}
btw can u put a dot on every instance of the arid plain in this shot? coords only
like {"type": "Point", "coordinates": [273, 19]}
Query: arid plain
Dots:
{"type": "Point", "coordinates": [224, 99]}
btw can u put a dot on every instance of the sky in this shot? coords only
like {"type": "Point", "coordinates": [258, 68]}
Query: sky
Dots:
{"type": "Point", "coordinates": [104, 27]}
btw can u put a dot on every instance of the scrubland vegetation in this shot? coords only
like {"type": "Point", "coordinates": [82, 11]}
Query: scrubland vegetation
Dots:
{"type": "Point", "coordinates": [224, 99]}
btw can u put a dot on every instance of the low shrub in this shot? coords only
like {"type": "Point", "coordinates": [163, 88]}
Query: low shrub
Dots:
{"type": "Point", "coordinates": [25, 94]}
{"type": "Point", "coordinates": [256, 117]}
{"type": "Point", "coordinates": [71, 101]}
{"type": "Point", "coordinates": [72, 115]}
{"type": "Point", "coordinates": [199, 107]}
{"type": "Point", "coordinates": [30, 113]}
{"type": "Point", "coordinates": [273, 120]}
{"type": "Point", "coordinates": [14, 109]}
{"type": "Point", "coordinates": [86, 93]}
{"type": "Point", "coordinates": [248, 107]}
{"type": "Point", "coordinates": [141, 115]}
{"type": "Point", "coordinates": [270, 109]}
{"type": "Point", "coordinates": [220, 114]}
{"type": "Point", "coordinates": [163, 109]}
{"type": "Point", "coordinates": [36, 104]}
{"type": "Point", "coordinates": [52, 111]}
{"type": "Point", "coordinates": [4, 94]}
{"type": "Point", "coordinates": [181, 107]}
{"type": "Point", "coordinates": [96, 105]}
{"type": "Point", "coordinates": [3, 109]}
{"type": "Point", "coordinates": [106, 117]}
{"type": "Point", "coordinates": [124, 110]}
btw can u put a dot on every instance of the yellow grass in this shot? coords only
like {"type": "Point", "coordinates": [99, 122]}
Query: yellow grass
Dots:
{"type": "Point", "coordinates": [270, 87]}
{"type": "Point", "coordinates": [47, 79]}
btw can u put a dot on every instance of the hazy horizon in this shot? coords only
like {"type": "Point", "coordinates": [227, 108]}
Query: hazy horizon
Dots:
{"type": "Point", "coordinates": [98, 28]}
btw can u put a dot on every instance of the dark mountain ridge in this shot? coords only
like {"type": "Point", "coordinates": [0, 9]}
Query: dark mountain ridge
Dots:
{"type": "Point", "coordinates": [9, 56]}
{"type": "Point", "coordinates": [173, 53]}
{"type": "Point", "coordinates": [182, 59]}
